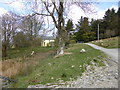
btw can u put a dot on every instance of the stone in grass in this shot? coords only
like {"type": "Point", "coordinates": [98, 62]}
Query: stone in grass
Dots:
{"type": "Point", "coordinates": [37, 86]}
{"type": "Point", "coordinates": [80, 66]}
{"type": "Point", "coordinates": [49, 64]}
{"type": "Point", "coordinates": [102, 44]}
{"type": "Point", "coordinates": [33, 52]}
{"type": "Point", "coordinates": [48, 84]}
{"type": "Point", "coordinates": [72, 66]}
{"type": "Point", "coordinates": [52, 77]}
{"type": "Point", "coordinates": [55, 85]}
{"type": "Point", "coordinates": [82, 51]}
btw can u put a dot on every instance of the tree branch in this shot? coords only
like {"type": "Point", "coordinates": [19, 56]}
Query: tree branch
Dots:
{"type": "Point", "coordinates": [55, 6]}
{"type": "Point", "coordinates": [43, 14]}
{"type": "Point", "coordinates": [51, 14]}
{"type": "Point", "coordinates": [47, 8]}
{"type": "Point", "coordinates": [39, 14]}
{"type": "Point", "coordinates": [54, 21]}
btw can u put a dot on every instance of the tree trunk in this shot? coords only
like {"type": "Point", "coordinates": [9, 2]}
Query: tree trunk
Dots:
{"type": "Point", "coordinates": [4, 50]}
{"type": "Point", "coordinates": [61, 30]}
{"type": "Point", "coordinates": [62, 37]}
{"type": "Point", "coordinates": [61, 46]}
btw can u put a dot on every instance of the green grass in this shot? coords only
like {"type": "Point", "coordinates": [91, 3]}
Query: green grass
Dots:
{"type": "Point", "coordinates": [26, 51]}
{"type": "Point", "coordinates": [108, 43]}
{"type": "Point", "coordinates": [60, 67]}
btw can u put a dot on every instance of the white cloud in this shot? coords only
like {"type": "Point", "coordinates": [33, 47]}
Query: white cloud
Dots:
{"type": "Point", "coordinates": [14, 5]}
{"type": "Point", "coordinates": [101, 13]}
{"type": "Point", "coordinates": [75, 13]}
{"type": "Point", "coordinates": [2, 11]}
{"type": "Point", "coordinates": [17, 5]}
{"type": "Point", "coordinates": [104, 0]}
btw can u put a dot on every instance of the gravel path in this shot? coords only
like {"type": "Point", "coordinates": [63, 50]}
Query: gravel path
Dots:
{"type": "Point", "coordinates": [113, 53]}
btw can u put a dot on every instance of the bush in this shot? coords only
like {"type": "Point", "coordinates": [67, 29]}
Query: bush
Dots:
{"type": "Point", "coordinates": [37, 41]}
{"type": "Point", "coordinates": [67, 44]}
{"type": "Point", "coordinates": [72, 41]}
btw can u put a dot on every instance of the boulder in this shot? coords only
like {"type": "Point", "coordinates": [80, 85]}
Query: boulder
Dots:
{"type": "Point", "coordinates": [82, 51]}
{"type": "Point", "coordinates": [33, 52]}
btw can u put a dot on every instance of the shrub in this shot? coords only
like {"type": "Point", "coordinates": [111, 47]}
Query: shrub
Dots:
{"type": "Point", "coordinates": [72, 41]}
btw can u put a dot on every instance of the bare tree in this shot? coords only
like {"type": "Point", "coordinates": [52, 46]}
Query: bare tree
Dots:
{"type": "Point", "coordinates": [31, 26]}
{"type": "Point", "coordinates": [57, 11]}
{"type": "Point", "coordinates": [0, 40]}
{"type": "Point", "coordinates": [8, 27]}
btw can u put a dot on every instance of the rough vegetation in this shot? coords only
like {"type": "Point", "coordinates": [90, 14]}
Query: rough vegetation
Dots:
{"type": "Point", "coordinates": [22, 61]}
{"type": "Point", "coordinates": [94, 77]}
{"type": "Point", "coordinates": [63, 68]}
{"type": "Point", "coordinates": [108, 43]}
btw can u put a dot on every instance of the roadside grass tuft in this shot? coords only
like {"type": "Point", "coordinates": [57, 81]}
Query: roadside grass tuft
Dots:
{"type": "Point", "coordinates": [51, 70]}
{"type": "Point", "coordinates": [108, 43]}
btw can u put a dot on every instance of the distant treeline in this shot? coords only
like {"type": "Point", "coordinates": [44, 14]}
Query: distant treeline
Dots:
{"type": "Point", "coordinates": [108, 27]}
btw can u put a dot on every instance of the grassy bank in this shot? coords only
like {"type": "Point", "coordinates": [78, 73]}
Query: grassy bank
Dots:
{"type": "Point", "coordinates": [108, 43]}
{"type": "Point", "coordinates": [21, 60]}
{"type": "Point", "coordinates": [26, 51]}
{"type": "Point", "coordinates": [64, 67]}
